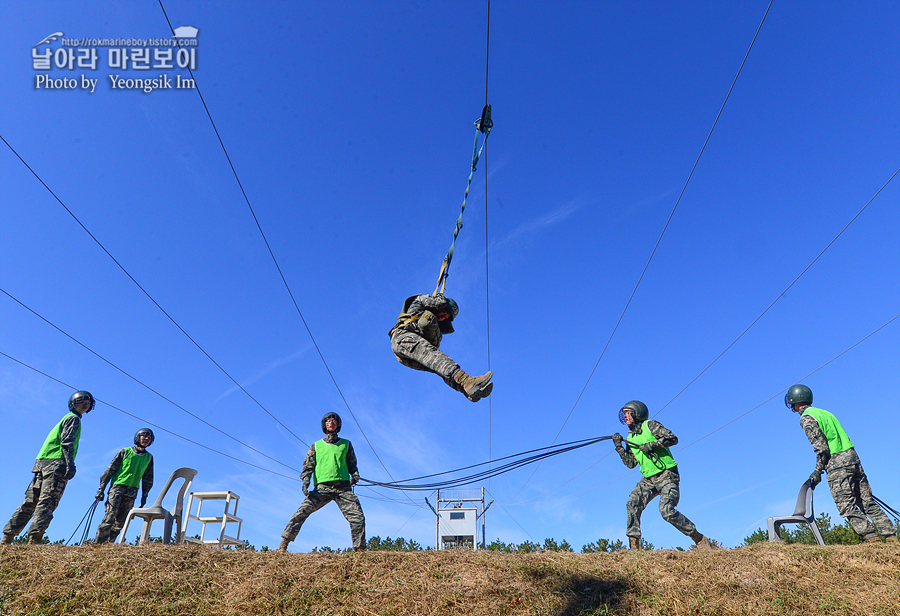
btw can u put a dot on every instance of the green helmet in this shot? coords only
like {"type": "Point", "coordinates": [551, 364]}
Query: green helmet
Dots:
{"type": "Point", "coordinates": [453, 307]}
{"type": "Point", "coordinates": [798, 393]}
{"type": "Point", "coordinates": [641, 414]}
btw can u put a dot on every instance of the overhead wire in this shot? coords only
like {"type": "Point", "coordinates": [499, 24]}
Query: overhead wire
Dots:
{"type": "Point", "coordinates": [149, 423]}
{"type": "Point", "coordinates": [146, 293]}
{"type": "Point", "coordinates": [780, 295]}
{"type": "Point", "coordinates": [487, 286]}
{"type": "Point", "coordinates": [770, 398]}
{"type": "Point", "coordinates": [271, 252]}
{"type": "Point", "coordinates": [144, 385]}
{"type": "Point", "coordinates": [499, 504]}
{"type": "Point", "coordinates": [659, 240]}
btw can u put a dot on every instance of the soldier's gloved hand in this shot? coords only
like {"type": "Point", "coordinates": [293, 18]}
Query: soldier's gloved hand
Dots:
{"type": "Point", "coordinates": [306, 487]}
{"type": "Point", "coordinates": [427, 319]}
{"type": "Point", "coordinates": [70, 472]}
{"type": "Point", "coordinates": [617, 440]}
{"type": "Point", "coordinates": [815, 478]}
{"type": "Point", "coordinates": [99, 495]}
{"type": "Point", "coordinates": [143, 500]}
{"type": "Point", "coordinates": [354, 479]}
{"type": "Point", "coordinates": [647, 447]}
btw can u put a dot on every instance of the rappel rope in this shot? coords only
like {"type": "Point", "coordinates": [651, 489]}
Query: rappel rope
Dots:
{"type": "Point", "coordinates": [545, 452]}
{"type": "Point", "coordinates": [482, 125]}
{"type": "Point", "coordinates": [884, 505]}
{"type": "Point", "coordinates": [89, 516]}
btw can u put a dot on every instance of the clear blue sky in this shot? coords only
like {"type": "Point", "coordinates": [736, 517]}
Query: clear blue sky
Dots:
{"type": "Point", "coordinates": [350, 125]}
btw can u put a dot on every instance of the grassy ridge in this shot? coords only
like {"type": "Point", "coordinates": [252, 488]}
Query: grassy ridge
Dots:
{"type": "Point", "coordinates": [155, 579]}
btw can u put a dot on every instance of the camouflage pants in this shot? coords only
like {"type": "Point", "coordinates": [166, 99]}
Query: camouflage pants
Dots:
{"type": "Point", "coordinates": [415, 352]}
{"type": "Point", "coordinates": [664, 485]}
{"type": "Point", "coordinates": [41, 500]}
{"type": "Point", "coordinates": [347, 502]}
{"type": "Point", "coordinates": [118, 504]}
{"type": "Point", "coordinates": [853, 498]}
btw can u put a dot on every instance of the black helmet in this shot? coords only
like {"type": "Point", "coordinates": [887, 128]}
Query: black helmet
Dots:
{"type": "Point", "coordinates": [798, 393]}
{"type": "Point", "coordinates": [137, 436]}
{"type": "Point", "coordinates": [329, 416]}
{"type": "Point", "coordinates": [640, 412]}
{"type": "Point", "coordinates": [77, 397]}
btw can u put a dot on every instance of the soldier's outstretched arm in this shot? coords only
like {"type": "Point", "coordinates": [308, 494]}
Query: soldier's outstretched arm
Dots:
{"type": "Point", "coordinates": [628, 458]}
{"type": "Point", "coordinates": [111, 470]}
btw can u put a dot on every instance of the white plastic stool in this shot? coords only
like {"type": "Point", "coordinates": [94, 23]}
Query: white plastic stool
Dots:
{"type": "Point", "coordinates": [222, 520]}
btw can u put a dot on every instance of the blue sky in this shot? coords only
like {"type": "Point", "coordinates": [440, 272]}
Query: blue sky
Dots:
{"type": "Point", "coordinates": [350, 126]}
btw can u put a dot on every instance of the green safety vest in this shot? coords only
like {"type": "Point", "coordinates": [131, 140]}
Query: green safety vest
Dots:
{"type": "Point", "coordinates": [132, 470]}
{"type": "Point", "coordinates": [331, 461]}
{"type": "Point", "coordinates": [838, 440]}
{"type": "Point", "coordinates": [52, 449]}
{"type": "Point", "coordinates": [648, 468]}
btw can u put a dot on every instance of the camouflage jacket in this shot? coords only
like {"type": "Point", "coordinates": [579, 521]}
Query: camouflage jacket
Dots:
{"type": "Point", "coordinates": [116, 464]}
{"type": "Point", "coordinates": [419, 317]}
{"type": "Point", "coordinates": [664, 436]}
{"type": "Point", "coordinates": [67, 432]}
{"type": "Point", "coordinates": [309, 463]}
{"type": "Point", "coordinates": [824, 460]}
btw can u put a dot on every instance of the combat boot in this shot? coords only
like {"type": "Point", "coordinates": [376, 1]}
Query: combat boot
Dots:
{"type": "Point", "coordinates": [634, 543]}
{"type": "Point", "coordinates": [7, 539]}
{"type": "Point", "coordinates": [484, 393]}
{"type": "Point", "coordinates": [283, 546]}
{"type": "Point", "coordinates": [36, 539]}
{"type": "Point", "coordinates": [702, 541]}
{"type": "Point", "coordinates": [472, 386]}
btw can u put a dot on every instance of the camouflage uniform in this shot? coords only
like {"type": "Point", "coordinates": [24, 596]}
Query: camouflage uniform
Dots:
{"type": "Point", "coordinates": [848, 484]}
{"type": "Point", "coordinates": [416, 337]}
{"type": "Point", "coordinates": [47, 486]}
{"type": "Point", "coordinates": [121, 497]}
{"type": "Point", "coordinates": [663, 484]}
{"type": "Point", "coordinates": [325, 492]}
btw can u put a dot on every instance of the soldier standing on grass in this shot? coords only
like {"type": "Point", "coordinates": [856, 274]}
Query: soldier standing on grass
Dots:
{"type": "Point", "coordinates": [333, 462]}
{"type": "Point", "coordinates": [130, 468]}
{"type": "Point", "coordinates": [836, 455]}
{"type": "Point", "coordinates": [417, 335]}
{"type": "Point", "coordinates": [53, 468]}
{"type": "Point", "coordinates": [649, 443]}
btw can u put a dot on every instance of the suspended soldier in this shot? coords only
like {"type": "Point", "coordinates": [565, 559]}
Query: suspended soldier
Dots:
{"type": "Point", "coordinates": [333, 463]}
{"type": "Point", "coordinates": [836, 455]}
{"type": "Point", "coordinates": [416, 339]}
{"type": "Point", "coordinates": [648, 446]}
{"type": "Point", "coordinates": [53, 468]}
{"type": "Point", "coordinates": [130, 468]}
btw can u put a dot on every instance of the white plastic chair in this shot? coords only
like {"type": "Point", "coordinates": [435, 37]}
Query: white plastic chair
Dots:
{"type": "Point", "coordinates": [803, 514]}
{"type": "Point", "coordinates": [156, 511]}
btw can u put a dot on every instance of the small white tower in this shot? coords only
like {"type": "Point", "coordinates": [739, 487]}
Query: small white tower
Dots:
{"type": "Point", "coordinates": [457, 519]}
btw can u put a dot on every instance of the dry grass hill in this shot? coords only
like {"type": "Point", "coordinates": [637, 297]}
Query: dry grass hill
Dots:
{"type": "Point", "coordinates": [153, 580]}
